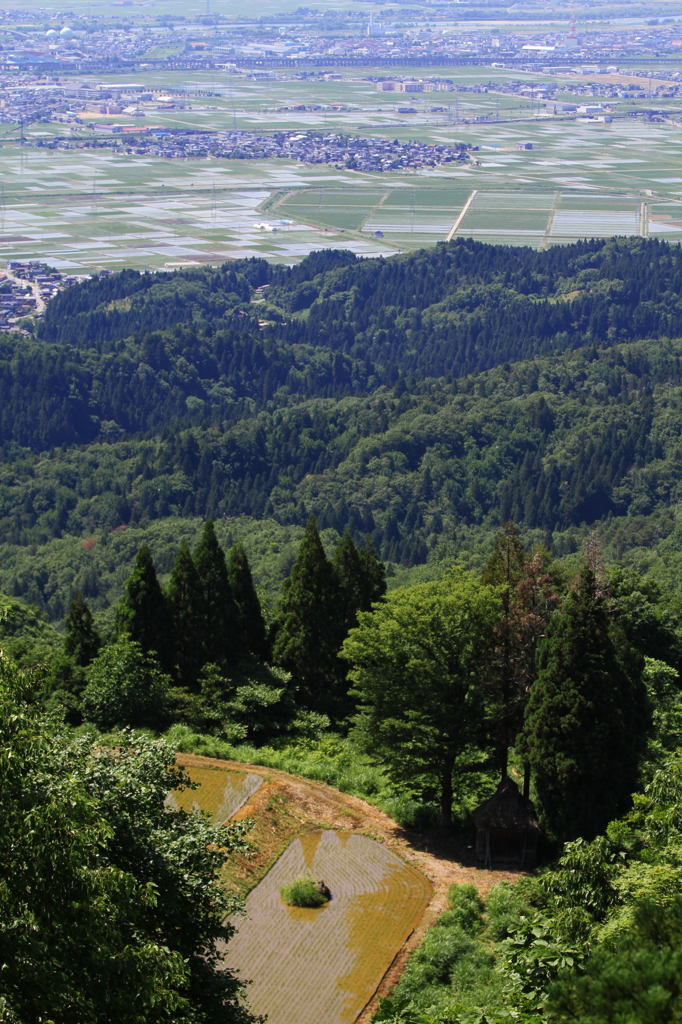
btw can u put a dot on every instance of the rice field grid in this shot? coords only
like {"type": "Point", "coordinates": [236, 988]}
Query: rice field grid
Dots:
{"type": "Point", "coordinates": [221, 793]}
{"type": "Point", "coordinates": [88, 209]}
{"type": "Point", "coordinates": [664, 220]}
{"type": "Point", "coordinates": [115, 211]}
{"type": "Point", "coordinates": [331, 208]}
{"type": "Point", "coordinates": [309, 966]}
{"type": "Point", "coordinates": [410, 217]}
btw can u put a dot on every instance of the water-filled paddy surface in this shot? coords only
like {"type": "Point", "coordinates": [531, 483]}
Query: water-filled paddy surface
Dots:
{"type": "Point", "coordinates": [220, 792]}
{"type": "Point", "coordinates": [91, 209]}
{"type": "Point", "coordinates": [322, 966]}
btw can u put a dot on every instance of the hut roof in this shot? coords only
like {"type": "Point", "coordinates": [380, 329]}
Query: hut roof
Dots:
{"type": "Point", "coordinates": [506, 809]}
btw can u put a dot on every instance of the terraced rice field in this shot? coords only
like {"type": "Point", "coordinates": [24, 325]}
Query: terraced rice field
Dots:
{"type": "Point", "coordinates": [322, 966]}
{"type": "Point", "coordinates": [220, 793]}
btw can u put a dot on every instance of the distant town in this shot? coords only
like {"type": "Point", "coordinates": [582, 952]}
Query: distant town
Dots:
{"type": "Point", "coordinates": [31, 98]}
{"type": "Point", "coordinates": [352, 152]}
{"type": "Point", "coordinates": [306, 38]}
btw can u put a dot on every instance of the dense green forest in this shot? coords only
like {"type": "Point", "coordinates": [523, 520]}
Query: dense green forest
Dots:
{"type": "Point", "coordinates": [423, 400]}
{"type": "Point", "coordinates": [409, 526]}
{"type": "Point", "coordinates": [553, 443]}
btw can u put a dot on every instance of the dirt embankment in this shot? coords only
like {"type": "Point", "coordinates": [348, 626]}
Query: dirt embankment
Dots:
{"type": "Point", "coordinates": [287, 806]}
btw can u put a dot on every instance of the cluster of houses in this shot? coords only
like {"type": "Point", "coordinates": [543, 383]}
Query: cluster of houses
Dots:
{"type": "Point", "coordinates": [353, 152]}
{"type": "Point", "coordinates": [25, 289]}
{"type": "Point", "coordinates": [16, 301]}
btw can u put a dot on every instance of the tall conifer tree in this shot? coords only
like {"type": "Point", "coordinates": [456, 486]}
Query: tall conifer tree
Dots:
{"type": "Point", "coordinates": [505, 569]}
{"type": "Point", "coordinates": [351, 577]}
{"type": "Point", "coordinates": [586, 719]}
{"type": "Point", "coordinates": [311, 630]}
{"type": "Point", "coordinates": [374, 575]}
{"type": "Point", "coordinates": [82, 641]}
{"type": "Point", "coordinates": [143, 612]}
{"type": "Point", "coordinates": [221, 616]}
{"type": "Point", "coordinates": [186, 600]}
{"type": "Point", "coordinates": [251, 622]}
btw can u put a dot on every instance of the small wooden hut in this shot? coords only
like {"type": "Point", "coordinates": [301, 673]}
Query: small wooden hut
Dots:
{"type": "Point", "coordinates": [506, 830]}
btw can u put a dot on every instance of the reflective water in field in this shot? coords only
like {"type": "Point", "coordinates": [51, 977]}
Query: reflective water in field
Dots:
{"type": "Point", "coordinates": [323, 965]}
{"type": "Point", "coordinates": [221, 792]}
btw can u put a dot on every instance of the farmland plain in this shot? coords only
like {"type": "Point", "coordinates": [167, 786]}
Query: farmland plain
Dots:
{"type": "Point", "coordinates": [87, 209]}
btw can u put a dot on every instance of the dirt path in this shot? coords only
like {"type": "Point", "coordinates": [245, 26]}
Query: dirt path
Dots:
{"type": "Point", "coordinates": [286, 805]}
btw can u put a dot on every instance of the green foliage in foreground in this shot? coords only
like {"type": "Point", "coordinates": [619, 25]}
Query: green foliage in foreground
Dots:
{"type": "Point", "coordinates": [437, 667]}
{"type": "Point", "coordinates": [638, 978]}
{"type": "Point", "coordinates": [303, 892]}
{"type": "Point", "coordinates": [110, 904]}
{"type": "Point", "coordinates": [428, 663]}
{"type": "Point", "coordinates": [597, 939]}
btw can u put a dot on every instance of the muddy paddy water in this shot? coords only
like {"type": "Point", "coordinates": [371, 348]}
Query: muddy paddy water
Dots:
{"type": "Point", "coordinates": [322, 966]}
{"type": "Point", "coordinates": [221, 794]}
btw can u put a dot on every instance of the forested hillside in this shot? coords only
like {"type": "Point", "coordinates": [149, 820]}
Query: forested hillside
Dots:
{"type": "Point", "coordinates": [357, 519]}
{"type": "Point", "coordinates": [551, 443]}
{"type": "Point", "coordinates": [416, 399]}
{"type": "Point", "coordinates": [136, 353]}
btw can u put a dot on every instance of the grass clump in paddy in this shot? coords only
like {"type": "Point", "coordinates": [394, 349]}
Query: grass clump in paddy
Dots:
{"type": "Point", "coordinates": [305, 892]}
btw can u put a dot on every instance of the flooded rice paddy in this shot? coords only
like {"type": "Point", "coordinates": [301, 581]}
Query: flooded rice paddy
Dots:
{"type": "Point", "coordinates": [221, 792]}
{"type": "Point", "coordinates": [323, 965]}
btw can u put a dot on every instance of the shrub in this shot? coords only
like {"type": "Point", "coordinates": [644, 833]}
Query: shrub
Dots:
{"type": "Point", "coordinates": [303, 892]}
{"type": "Point", "coordinates": [505, 907]}
{"type": "Point", "coordinates": [126, 687]}
{"type": "Point", "coordinates": [466, 908]}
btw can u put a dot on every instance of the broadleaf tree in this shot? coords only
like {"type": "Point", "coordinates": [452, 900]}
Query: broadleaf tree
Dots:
{"type": "Point", "coordinates": [111, 907]}
{"type": "Point", "coordinates": [419, 663]}
{"type": "Point", "coordinates": [126, 687]}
